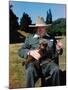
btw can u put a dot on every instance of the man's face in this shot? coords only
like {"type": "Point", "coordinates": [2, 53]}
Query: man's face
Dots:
{"type": "Point", "coordinates": [41, 31]}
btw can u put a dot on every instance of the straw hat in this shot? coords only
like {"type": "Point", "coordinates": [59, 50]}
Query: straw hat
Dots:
{"type": "Point", "coordinates": [39, 22]}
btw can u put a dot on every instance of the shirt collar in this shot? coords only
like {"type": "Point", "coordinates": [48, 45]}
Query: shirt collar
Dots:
{"type": "Point", "coordinates": [36, 36]}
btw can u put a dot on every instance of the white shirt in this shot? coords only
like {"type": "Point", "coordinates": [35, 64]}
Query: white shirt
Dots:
{"type": "Point", "coordinates": [36, 36]}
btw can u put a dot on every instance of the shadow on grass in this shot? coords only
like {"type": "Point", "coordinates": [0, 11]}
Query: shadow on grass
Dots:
{"type": "Point", "coordinates": [18, 38]}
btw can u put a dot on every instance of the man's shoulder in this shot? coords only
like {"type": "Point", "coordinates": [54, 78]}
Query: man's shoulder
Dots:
{"type": "Point", "coordinates": [49, 36]}
{"type": "Point", "coordinates": [30, 35]}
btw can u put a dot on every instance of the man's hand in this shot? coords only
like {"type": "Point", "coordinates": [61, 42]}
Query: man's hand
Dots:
{"type": "Point", "coordinates": [59, 48]}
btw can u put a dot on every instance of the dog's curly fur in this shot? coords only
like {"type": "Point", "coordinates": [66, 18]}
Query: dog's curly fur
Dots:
{"type": "Point", "coordinates": [44, 51]}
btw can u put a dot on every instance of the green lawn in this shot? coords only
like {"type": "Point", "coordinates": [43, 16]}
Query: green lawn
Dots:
{"type": "Point", "coordinates": [17, 71]}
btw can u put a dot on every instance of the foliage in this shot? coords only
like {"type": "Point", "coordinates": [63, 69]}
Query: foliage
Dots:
{"type": "Point", "coordinates": [13, 25]}
{"type": "Point", "coordinates": [58, 27]}
{"type": "Point", "coordinates": [49, 17]}
{"type": "Point", "coordinates": [24, 22]}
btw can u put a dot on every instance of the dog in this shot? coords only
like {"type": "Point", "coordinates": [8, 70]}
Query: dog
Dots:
{"type": "Point", "coordinates": [36, 55]}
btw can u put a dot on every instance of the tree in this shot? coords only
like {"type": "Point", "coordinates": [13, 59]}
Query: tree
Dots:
{"type": "Point", "coordinates": [49, 17]}
{"type": "Point", "coordinates": [47, 21]}
{"type": "Point", "coordinates": [58, 27]}
{"type": "Point", "coordinates": [24, 22]}
{"type": "Point", "coordinates": [13, 25]}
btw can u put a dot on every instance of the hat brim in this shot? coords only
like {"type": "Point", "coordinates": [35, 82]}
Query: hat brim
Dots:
{"type": "Point", "coordinates": [40, 25]}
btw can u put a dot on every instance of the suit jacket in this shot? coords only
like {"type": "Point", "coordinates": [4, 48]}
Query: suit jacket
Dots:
{"type": "Point", "coordinates": [32, 43]}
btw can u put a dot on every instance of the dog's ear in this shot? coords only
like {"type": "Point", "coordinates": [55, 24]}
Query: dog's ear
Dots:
{"type": "Point", "coordinates": [46, 45]}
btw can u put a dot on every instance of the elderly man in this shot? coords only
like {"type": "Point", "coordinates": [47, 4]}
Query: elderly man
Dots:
{"type": "Point", "coordinates": [32, 41]}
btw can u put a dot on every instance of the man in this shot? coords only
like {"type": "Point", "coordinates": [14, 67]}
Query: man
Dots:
{"type": "Point", "coordinates": [31, 43]}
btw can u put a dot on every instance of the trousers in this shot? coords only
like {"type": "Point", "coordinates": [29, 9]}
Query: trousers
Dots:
{"type": "Point", "coordinates": [33, 73]}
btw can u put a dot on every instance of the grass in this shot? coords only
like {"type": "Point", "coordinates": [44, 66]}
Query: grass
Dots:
{"type": "Point", "coordinates": [17, 71]}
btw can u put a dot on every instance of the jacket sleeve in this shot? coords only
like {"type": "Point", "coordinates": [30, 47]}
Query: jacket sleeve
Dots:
{"type": "Point", "coordinates": [26, 43]}
{"type": "Point", "coordinates": [22, 52]}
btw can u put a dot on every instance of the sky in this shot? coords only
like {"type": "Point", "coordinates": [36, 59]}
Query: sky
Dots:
{"type": "Point", "coordinates": [38, 9]}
